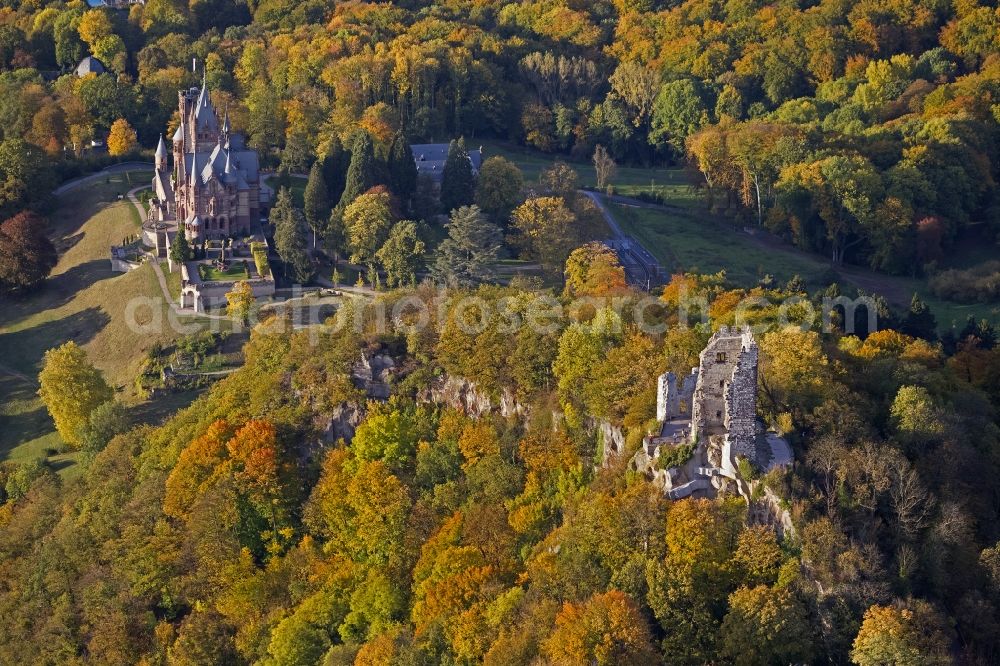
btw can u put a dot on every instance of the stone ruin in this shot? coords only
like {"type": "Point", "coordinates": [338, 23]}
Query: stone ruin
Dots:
{"type": "Point", "coordinates": [712, 411]}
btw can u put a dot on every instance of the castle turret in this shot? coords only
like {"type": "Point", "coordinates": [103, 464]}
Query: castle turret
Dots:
{"type": "Point", "coordinates": [161, 155]}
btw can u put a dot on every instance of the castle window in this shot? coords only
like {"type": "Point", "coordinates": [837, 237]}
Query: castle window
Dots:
{"type": "Point", "coordinates": [722, 383]}
{"type": "Point", "coordinates": [718, 414]}
{"type": "Point", "coordinates": [720, 357]}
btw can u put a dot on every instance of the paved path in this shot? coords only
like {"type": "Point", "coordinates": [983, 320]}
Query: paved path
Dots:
{"type": "Point", "coordinates": [71, 185]}
{"type": "Point", "coordinates": [641, 267]}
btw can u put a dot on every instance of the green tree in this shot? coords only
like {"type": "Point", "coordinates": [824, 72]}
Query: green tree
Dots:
{"type": "Point", "coordinates": [180, 249]}
{"type": "Point", "coordinates": [107, 420]}
{"type": "Point", "coordinates": [765, 626]}
{"type": "Point", "coordinates": [920, 321]}
{"type": "Point", "coordinates": [71, 389]}
{"type": "Point", "coordinates": [467, 255]}
{"type": "Point", "coordinates": [367, 221]}
{"type": "Point", "coordinates": [458, 185]}
{"type": "Point", "coordinates": [679, 111]}
{"type": "Point", "coordinates": [402, 168]}
{"type": "Point", "coordinates": [498, 189]}
{"type": "Point", "coordinates": [316, 202]}
{"type": "Point", "coordinates": [362, 174]}
{"type": "Point", "coordinates": [290, 236]}
{"type": "Point", "coordinates": [402, 254]}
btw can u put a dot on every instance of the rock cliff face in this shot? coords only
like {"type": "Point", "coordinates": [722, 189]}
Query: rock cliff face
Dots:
{"type": "Point", "coordinates": [342, 422]}
{"type": "Point", "coordinates": [461, 394]}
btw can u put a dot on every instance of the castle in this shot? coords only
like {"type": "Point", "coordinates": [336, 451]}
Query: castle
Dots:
{"type": "Point", "coordinates": [712, 412]}
{"type": "Point", "coordinates": [213, 189]}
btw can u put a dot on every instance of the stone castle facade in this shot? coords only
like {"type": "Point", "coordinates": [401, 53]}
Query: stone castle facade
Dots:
{"type": "Point", "coordinates": [212, 189]}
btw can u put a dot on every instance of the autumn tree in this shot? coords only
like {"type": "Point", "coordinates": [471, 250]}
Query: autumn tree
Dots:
{"type": "Point", "coordinates": [402, 254]}
{"type": "Point", "coordinates": [368, 221]}
{"type": "Point", "coordinates": [906, 633]}
{"type": "Point", "coordinates": [498, 188]}
{"type": "Point", "coordinates": [27, 256]}
{"type": "Point", "coordinates": [604, 166]}
{"type": "Point", "coordinates": [71, 389]}
{"type": "Point", "coordinates": [594, 270]}
{"type": "Point", "coordinates": [547, 231]}
{"type": "Point", "coordinates": [240, 301]}
{"type": "Point", "coordinates": [605, 629]}
{"type": "Point", "coordinates": [122, 139]}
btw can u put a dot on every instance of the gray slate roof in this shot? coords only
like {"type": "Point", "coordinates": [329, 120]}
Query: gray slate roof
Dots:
{"type": "Point", "coordinates": [243, 166]}
{"type": "Point", "coordinates": [431, 157]}
{"type": "Point", "coordinates": [90, 65]}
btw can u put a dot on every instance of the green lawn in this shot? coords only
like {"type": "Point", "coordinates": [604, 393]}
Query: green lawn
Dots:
{"type": "Point", "coordinates": [234, 271]}
{"type": "Point", "coordinates": [83, 300]}
{"type": "Point", "coordinates": [670, 182]}
{"type": "Point", "coordinates": [682, 243]}
{"type": "Point", "coordinates": [297, 188]}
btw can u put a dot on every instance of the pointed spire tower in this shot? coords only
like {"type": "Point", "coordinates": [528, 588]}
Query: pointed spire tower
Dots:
{"type": "Point", "coordinates": [161, 155]}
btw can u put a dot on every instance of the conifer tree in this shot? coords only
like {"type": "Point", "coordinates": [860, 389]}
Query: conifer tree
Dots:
{"type": "Point", "coordinates": [335, 164]}
{"type": "Point", "coordinates": [402, 168]}
{"type": "Point", "coordinates": [180, 249]}
{"type": "Point", "coordinates": [290, 236]}
{"type": "Point", "coordinates": [458, 185]}
{"type": "Point", "coordinates": [362, 174]}
{"type": "Point", "coordinates": [467, 255]}
{"type": "Point", "coordinates": [316, 202]}
{"type": "Point", "coordinates": [920, 321]}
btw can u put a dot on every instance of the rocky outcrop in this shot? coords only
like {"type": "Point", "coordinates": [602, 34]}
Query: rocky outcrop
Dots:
{"type": "Point", "coordinates": [611, 437]}
{"type": "Point", "coordinates": [459, 393]}
{"type": "Point", "coordinates": [342, 422]}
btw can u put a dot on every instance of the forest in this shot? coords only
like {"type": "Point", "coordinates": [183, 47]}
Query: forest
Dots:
{"type": "Point", "coordinates": [287, 517]}
{"type": "Point", "coordinates": [863, 131]}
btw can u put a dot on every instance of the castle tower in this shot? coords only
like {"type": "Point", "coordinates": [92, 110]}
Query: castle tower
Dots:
{"type": "Point", "coordinates": [161, 155]}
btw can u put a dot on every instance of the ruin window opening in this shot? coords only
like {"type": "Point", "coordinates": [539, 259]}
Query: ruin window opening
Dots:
{"type": "Point", "coordinates": [720, 357]}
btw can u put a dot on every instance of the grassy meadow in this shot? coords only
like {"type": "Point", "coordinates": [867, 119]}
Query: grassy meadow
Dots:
{"type": "Point", "coordinates": [84, 301]}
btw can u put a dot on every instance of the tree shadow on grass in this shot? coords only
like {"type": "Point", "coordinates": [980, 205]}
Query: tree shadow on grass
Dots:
{"type": "Point", "coordinates": [56, 291]}
{"type": "Point", "coordinates": [23, 350]}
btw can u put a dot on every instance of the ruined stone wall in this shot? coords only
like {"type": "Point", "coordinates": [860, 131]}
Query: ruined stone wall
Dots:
{"type": "Point", "coordinates": [718, 362]}
{"type": "Point", "coordinates": [673, 398]}
{"type": "Point", "coordinates": [741, 400]}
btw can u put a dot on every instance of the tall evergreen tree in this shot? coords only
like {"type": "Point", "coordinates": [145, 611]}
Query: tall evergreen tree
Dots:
{"type": "Point", "coordinates": [362, 174]}
{"type": "Point", "coordinates": [316, 202]}
{"type": "Point", "coordinates": [290, 237]}
{"type": "Point", "coordinates": [180, 249]}
{"type": "Point", "coordinates": [458, 185]}
{"type": "Point", "coordinates": [473, 244]}
{"type": "Point", "coordinates": [335, 164]}
{"type": "Point", "coordinates": [402, 168]}
{"type": "Point", "coordinates": [920, 321]}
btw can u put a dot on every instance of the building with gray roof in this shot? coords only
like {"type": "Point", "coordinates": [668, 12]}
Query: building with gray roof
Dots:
{"type": "Point", "coordinates": [212, 189]}
{"type": "Point", "coordinates": [431, 157]}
